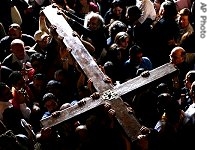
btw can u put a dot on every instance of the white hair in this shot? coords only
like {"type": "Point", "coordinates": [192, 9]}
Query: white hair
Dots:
{"type": "Point", "coordinates": [93, 15]}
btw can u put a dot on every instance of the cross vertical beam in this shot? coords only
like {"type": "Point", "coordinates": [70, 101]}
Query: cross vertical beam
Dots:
{"type": "Point", "coordinates": [107, 91]}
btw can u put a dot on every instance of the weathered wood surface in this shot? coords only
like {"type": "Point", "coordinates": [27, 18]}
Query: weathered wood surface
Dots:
{"type": "Point", "coordinates": [116, 92]}
{"type": "Point", "coordinates": [156, 74]}
{"type": "Point", "coordinates": [107, 91]}
{"type": "Point", "coordinates": [78, 51]}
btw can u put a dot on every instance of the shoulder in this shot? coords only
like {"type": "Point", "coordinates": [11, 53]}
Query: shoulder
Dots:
{"type": "Point", "coordinates": [4, 38]}
{"type": "Point", "coordinates": [7, 58]}
{"type": "Point", "coordinates": [127, 62]}
{"type": "Point", "coordinates": [5, 41]}
{"type": "Point", "coordinates": [190, 28]}
{"type": "Point", "coordinates": [30, 52]}
{"type": "Point", "coordinates": [146, 59]}
{"type": "Point", "coordinates": [191, 110]}
{"type": "Point", "coordinates": [27, 36]}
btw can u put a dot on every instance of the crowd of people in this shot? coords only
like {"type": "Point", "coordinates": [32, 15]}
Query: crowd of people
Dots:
{"type": "Point", "coordinates": [126, 38]}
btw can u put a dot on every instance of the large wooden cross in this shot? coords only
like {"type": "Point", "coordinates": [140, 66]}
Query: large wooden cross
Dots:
{"type": "Point", "coordinates": [107, 91]}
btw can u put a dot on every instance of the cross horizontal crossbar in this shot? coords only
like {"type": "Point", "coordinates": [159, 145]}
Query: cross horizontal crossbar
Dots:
{"type": "Point", "coordinates": [107, 91]}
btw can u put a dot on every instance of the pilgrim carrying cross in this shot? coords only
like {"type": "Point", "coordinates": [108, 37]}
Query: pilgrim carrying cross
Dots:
{"type": "Point", "coordinates": [107, 91]}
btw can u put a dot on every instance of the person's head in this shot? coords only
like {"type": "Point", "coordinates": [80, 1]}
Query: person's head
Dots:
{"type": "Point", "coordinates": [93, 21]}
{"type": "Point", "coordinates": [189, 78]}
{"type": "Point", "coordinates": [162, 88]}
{"type": "Point", "coordinates": [66, 78]}
{"type": "Point", "coordinates": [116, 27]}
{"type": "Point", "coordinates": [37, 61]}
{"type": "Point", "coordinates": [167, 103]}
{"type": "Point", "coordinates": [50, 102]}
{"type": "Point", "coordinates": [109, 69]}
{"type": "Point", "coordinates": [39, 82]}
{"type": "Point", "coordinates": [54, 87]}
{"type": "Point", "coordinates": [135, 54]}
{"type": "Point", "coordinates": [17, 48]}
{"type": "Point", "coordinates": [23, 141]}
{"type": "Point", "coordinates": [177, 55]}
{"type": "Point", "coordinates": [80, 4]}
{"type": "Point", "coordinates": [61, 75]}
{"type": "Point", "coordinates": [133, 13]}
{"type": "Point", "coordinates": [16, 80]}
{"type": "Point", "coordinates": [168, 9]}
{"type": "Point", "coordinates": [11, 119]}
{"type": "Point", "coordinates": [15, 31]}
{"type": "Point", "coordinates": [41, 38]}
{"type": "Point", "coordinates": [157, 4]}
{"type": "Point", "coordinates": [163, 100]}
{"type": "Point", "coordinates": [184, 17]}
{"type": "Point", "coordinates": [82, 132]}
{"type": "Point", "coordinates": [122, 39]}
{"type": "Point", "coordinates": [5, 92]}
{"type": "Point", "coordinates": [117, 7]}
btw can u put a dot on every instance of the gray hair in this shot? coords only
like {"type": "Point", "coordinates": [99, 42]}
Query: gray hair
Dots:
{"type": "Point", "coordinates": [93, 15]}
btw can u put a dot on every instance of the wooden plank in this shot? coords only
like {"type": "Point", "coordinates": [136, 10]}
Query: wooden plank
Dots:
{"type": "Point", "coordinates": [107, 91]}
{"type": "Point", "coordinates": [112, 95]}
{"type": "Point", "coordinates": [156, 74]}
{"type": "Point", "coordinates": [78, 51]}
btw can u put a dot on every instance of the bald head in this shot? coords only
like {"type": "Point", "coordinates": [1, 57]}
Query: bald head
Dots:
{"type": "Point", "coordinates": [177, 50]}
{"type": "Point", "coordinates": [17, 41]}
{"type": "Point", "coordinates": [177, 55]}
{"type": "Point", "coordinates": [17, 48]}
